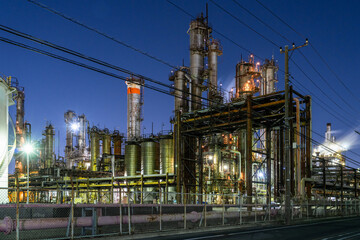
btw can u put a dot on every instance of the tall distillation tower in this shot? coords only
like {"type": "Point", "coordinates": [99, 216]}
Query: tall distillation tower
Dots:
{"type": "Point", "coordinates": [6, 100]}
{"type": "Point", "coordinates": [198, 36]}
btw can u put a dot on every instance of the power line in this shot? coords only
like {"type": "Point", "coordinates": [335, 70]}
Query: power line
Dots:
{"type": "Point", "coordinates": [80, 55]}
{"type": "Point", "coordinates": [217, 31]}
{"type": "Point", "coordinates": [292, 60]}
{"type": "Point", "coordinates": [314, 49]}
{"type": "Point", "coordinates": [229, 39]}
{"type": "Point", "coordinates": [259, 19]}
{"type": "Point", "coordinates": [318, 87]}
{"type": "Point", "coordinates": [242, 22]}
{"type": "Point", "coordinates": [46, 53]}
{"type": "Point", "coordinates": [306, 59]}
{"type": "Point", "coordinates": [321, 104]}
{"type": "Point", "coordinates": [101, 33]}
{"type": "Point", "coordinates": [276, 16]}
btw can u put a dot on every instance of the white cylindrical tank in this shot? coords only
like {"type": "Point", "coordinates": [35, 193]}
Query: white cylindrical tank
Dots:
{"type": "Point", "coordinates": [5, 91]}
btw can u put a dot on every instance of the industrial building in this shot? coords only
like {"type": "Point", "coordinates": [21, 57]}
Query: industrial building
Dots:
{"type": "Point", "coordinates": [221, 142]}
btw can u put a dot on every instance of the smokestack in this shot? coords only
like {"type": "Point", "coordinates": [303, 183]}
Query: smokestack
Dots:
{"type": "Point", "coordinates": [133, 108]}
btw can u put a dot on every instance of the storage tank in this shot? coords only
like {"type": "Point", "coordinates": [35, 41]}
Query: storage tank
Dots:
{"type": "Point", "coordinates": [167, 154]}
{"type": "Point", "coordinates": [150, 156]}
{"type": "Point", "coordinates": [132, 159]}
{"type": "Point", "coordinates": [94, 147]}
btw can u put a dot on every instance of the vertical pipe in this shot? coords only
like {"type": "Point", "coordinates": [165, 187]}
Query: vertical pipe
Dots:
{"type": "Point", "coordinates": [324, 177]}
{"type": "Point", "coordinates": [355, 183]}
{"type": "Point", "coordinates": [308, 144]}
{"type": "Point", "coordinates": [178, 155]}
{"type": "Point", "coordinates": [201, 168]}
{"type": "Point", "coordinates": [27, 177]}
{"type": "Point", "coordinates": [17, 206]}
{"type": "Point", "coordinates": [298, 159]}
{"type": "Point", "coordinates": [249, 153]}
{"type": "Point", "coordinates": [268, 163]}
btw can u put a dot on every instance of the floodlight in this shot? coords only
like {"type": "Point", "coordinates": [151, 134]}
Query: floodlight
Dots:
{"type": "Point", "coordinates": [75, 126]}
{"type": "Point", "coordinates": [28, 148]}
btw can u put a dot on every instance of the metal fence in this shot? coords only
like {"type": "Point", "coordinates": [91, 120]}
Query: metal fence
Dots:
{"type": "Point", "coordinates": [64, 214]}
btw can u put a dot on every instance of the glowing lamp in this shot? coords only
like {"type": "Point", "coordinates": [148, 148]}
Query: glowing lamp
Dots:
{"type": "Point", "coordinates": [75, 126]}
{"type": "Point", "coordinates": [28, 148]}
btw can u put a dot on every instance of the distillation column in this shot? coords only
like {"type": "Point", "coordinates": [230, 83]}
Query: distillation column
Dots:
{"type": "Point", "coordinates": [214, 52]}
{"type": "Point", "coordinates": [69, 117]}
{"type": "Point", "coordinates": [82, 134]}
{"type": "Point", "coordinates": [132, 148]}
{"type": "Point", "coordinates": [181, 91]}
{"type": "Point", "coordinates": [5, 101]}
{"type": "Point", "coordinates": [244, 79]}
{"type": "Point", "coordinates": [198, 35]}
{"type": "Point", "coordinates": [20, 128]}
{"type": "Point", "coordinates": [268, 74]}
{"type": "Point", "coordinates": [49, 146]}
{"type": "Point", "coordinates": [133, 108]}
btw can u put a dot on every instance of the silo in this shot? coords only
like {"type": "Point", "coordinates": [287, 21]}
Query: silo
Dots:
{"type": "Point", "coordinates": [150, 156]}
{"type": "Point", "coordinates": [167, 154]}
{"type": "Point", "coordinates": [132, 159]}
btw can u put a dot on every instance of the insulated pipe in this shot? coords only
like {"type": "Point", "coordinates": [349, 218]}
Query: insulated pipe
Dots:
{"type": "Point", "coordinates": [8, 225]}
{"type": "Point", "coordinates": [298, 160]}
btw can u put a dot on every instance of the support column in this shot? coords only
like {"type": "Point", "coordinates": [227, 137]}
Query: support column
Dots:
{"type": "Point", "coordinates": [177, 147]}
{"type": "Point", "coordinates": [249, 152]}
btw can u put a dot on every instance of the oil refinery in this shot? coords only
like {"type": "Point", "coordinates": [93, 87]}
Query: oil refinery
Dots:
{"type": "Point", "coordinates": [253, 141]}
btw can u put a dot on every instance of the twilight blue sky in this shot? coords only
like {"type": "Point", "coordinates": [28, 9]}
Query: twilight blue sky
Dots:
{"type": "Point", "coordinates": [157, 27]}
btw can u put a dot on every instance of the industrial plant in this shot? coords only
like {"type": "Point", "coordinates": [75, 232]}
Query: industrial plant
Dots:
{"type": "Point", "coordinates": [253, 142]}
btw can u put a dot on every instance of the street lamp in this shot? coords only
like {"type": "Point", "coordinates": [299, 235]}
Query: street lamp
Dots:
{"type": "Point", "coordinates": [28, 148]}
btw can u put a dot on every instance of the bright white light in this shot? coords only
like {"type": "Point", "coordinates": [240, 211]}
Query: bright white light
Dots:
{"type": "Point", "coordinates": [210, 157]}
{"type": "Point", "coordinates": [226, 167]}
{"type": "Point", "coordinates": [75, 126]}
{"type": "Point", "coordinates": [260, 175]}
{"type": "Point", "coordinates": [28, 148]}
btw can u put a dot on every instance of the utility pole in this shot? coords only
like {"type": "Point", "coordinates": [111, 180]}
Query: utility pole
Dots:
{"type": "Point", "coordinates": [288, 157]}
